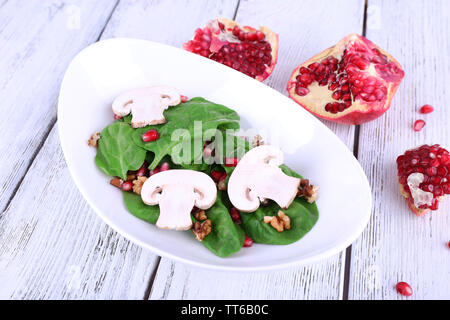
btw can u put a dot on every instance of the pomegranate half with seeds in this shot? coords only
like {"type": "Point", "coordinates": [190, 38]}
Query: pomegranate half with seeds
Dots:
{"type": "Point", "coordinates": [351, 83]}
{"type": "Point", "coordinates": [250, 51]}
{"type": "Point", "coordinates": [424, 177]}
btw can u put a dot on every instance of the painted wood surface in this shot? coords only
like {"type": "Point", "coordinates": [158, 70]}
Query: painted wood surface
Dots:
{"type": "Point", "coordinates": [397, 245]}
{"type": "Point", "coordinates": [323, 280]}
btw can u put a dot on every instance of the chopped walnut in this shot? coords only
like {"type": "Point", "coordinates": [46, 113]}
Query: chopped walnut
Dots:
{"type": "Point", "coordinates": [138, 183]}
{"type": "Point", "coordinates": [201, 230]}
{"type": "Point", "coordinates": [257, 141]}
{"type": "Point", "coordinates": [200, 215]}
{"type": "Point", "coordinates": [93, 140]}
{"type": "Point", "coordinates": [221, 185]}
{"type": "Point", "coordinates": [116, 182]}
{"type": "Point", "coordinates": [308, 191]}
{"type": "Point", "coordinates": [280, 222]}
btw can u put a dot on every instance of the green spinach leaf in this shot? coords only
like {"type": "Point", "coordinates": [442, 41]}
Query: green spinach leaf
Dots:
{"type": "Point", "coordinates": [139, 209]}
{"type": "Point", "coordinates": [210, 115]}
{"type": "Point", "coordinates": [117, 153]}
{"type": "Point", "coordinates": [226, 237]}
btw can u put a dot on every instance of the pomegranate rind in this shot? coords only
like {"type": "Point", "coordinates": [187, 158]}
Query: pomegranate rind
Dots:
{"type": "Point", "coordinates": [270, 37]}
{"type": "Point", "coordinates": [358, 112]}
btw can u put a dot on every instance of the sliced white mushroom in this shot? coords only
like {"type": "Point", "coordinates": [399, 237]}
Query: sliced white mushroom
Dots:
{"type": "Point", "coordinates": [177, 191]}
{"type": "Point", "coordinates": [146, 104]}
{"type": "Point", "coordinates": [257, 176]}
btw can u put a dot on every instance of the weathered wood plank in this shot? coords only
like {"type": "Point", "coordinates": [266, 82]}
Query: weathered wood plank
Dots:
{"type": "Point", "coordinates": [397, 245]}
{"type": "Point", "coordinates": [37, 41]}
{"type": "Point", "coordinates": [301, 36]}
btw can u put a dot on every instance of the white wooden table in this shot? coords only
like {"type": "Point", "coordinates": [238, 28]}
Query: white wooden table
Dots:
{"type": "Point", "coordinates": [53, 246]}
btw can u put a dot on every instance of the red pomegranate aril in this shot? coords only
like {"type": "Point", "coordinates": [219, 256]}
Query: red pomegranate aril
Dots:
{"type": "Point", "coordinates": [248, 242]}
{"type": "Point", "coordinates": [426, 109]}
{"type": "Point", "coordinates": [404, 289]}
{"type": "Point", "coordinates": [143, 171]}
{"type": "Point", "coordinates": [231, 162]}
{"type": "Point", "coordinates": [116, 117]}
{"type": "Point", "coordinates": [336, 95]}
{"type": "Point", "coordinates": [301, 91]}
{"type": "Point", "coordinates": [165, 166]}
{"type": "Point", "coordinates": [127, 186]}
{"type": "Point", "coordinates": [184, 98]}
{"type": "Point", "coordinates": [150, 135]}
{"type": "Point", "coordinates": [235, 215]}
{"type": "Point", "coordinates": [155, 171]}
{"type": "Point", "coordinates": [418, 125]}
{"type": "Point", "coordinates": [216, 175]}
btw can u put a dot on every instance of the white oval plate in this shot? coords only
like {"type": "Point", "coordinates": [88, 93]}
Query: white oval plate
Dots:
{"type": "Point", "coordinates": [105, 69]}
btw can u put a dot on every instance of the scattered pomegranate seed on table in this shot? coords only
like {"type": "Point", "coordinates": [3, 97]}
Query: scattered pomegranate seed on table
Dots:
{"type": "Point", "coordinates": [404, 289]}
{"type": "Point", "coordinates": [426, 109]}
{"type": "Point", "coordinates": [448, 244]}
{"type": "Point", "coordinates": [418, 125]}
{"type": "Point", "coordinates": [150, 135]}
{"type": "Point", "coordinates": [248, 242]}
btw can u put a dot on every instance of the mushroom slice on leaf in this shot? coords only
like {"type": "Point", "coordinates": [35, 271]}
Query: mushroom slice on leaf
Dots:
{"type": "Point", "coordinates": [257, 176]}
{"type": "Point", "coordinates": [177, 191]}
{"type": "Point", "coordinates": [146, 104]}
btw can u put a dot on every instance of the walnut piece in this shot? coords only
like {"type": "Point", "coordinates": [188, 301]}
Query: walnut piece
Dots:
{"type": "Point", "coordinates": [93, 140]}
{"type": "Point", "coordinates": [221, 185]}
{"type": "Point", "coordinates": [138, 183]}
{"type": "Point", "coordinates": [308, 191]}
{"type": "Point", "coordinates": [257, 141]}
{"type": "Point", "coordinates": [200, 215]}
{"type": "Point", "coordinates": [201, 230]}
{"type": "Point", "coordinates": [280, 222]}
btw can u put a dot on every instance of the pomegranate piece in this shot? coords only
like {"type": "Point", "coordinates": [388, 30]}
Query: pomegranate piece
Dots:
{"type": "Point", "coordinates": [426, 109]}
{"type": "Point", "coordinates": [245, 49]}
{"type": "Point", "coordinates": [150, 135]}
{"type": "Point", "coordinates": [231, 162]}
{"type": "Point", "coordinates": [248, 242]}
{"type": "Point", "coordinates": [351, 83]}
{"type": "Point", "coordinates": [404, 289]}
{"type": "Point", "coordinates": [418, 125]}
{"type": "Point", "coordinates": [165, 166]}
{"type": "Point", "coordinates": [424, 177]}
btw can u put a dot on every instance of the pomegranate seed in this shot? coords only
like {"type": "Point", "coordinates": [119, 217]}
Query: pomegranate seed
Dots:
{"type": "Point", "coordinates": [143, 171]}
{"type": "Point", "coordinates": [116, 117]}
{"type": "Point", "coordinates": [155, 171]}
{"type": "Point", "coordinates": [231, 162]}
{"type": "Point", "coordinates": [418, 125]}
{"type": "Point", "coordinates": [150, 135]}
{"type": "Point", "coordinates": [127, 186]}
{"type": "Point", "coordinates": [165, 166]}
{"type": "Point", "coordinates": [426, 109]}
{"type": "Point", "coordinates": [184, 98]}
{"type": "Point", "coordinates": [448, 244]}
{"type": "Point", "coordinates": [301, 91]}
{"type": "Point", "coordinates": [248, 242]}
{"type": "Point", "coordinates": [216, 175]}
{"type": "Point", "coordinates": [235, 215]}
{"type": "Point", "coordinates": [404, 289]}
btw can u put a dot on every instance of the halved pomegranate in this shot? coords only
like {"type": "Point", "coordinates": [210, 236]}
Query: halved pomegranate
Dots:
{"type": "Point", "coordinates": [250, 51]}
{"type": "Point", "coordinates": [424, 177]}
{"type": "Point", "coordinates": [351, 83]}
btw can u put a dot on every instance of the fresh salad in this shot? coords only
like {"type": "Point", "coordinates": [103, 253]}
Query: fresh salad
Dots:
{"type": "Point", "coordinates": [181, 166]}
